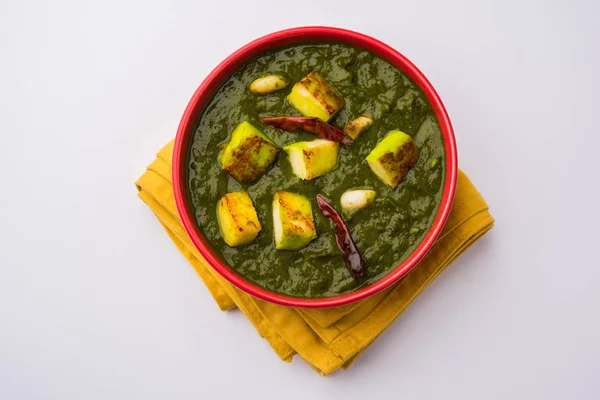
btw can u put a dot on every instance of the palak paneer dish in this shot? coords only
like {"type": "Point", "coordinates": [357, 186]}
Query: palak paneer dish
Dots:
{"type": "Point", "coordinates": [316, 169]}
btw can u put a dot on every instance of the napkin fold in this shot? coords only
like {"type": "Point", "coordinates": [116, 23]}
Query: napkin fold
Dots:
{"type": "Point", "coordinates": [327, 338]}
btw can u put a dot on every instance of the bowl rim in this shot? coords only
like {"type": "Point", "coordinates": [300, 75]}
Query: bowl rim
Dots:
{"type": "Point", "coordinates": [213, 81]}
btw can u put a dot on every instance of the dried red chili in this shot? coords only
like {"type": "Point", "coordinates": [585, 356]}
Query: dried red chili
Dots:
{"type": "Point", "coordinates": [344, 240]}
{"type": "Point", "coordinates": [316, 126]}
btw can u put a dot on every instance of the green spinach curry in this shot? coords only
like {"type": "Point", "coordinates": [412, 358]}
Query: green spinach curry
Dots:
{"type": "Point", "coordinates": [389, 223]}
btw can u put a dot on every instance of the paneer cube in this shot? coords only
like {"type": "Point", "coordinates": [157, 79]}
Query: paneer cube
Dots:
{"type": "Point", "coordinates": [268, 84]}
{"type": "Point", "coordinates": [237, 219]}
{"type": "Point", "coordinates": [312, 159]}
{"type": "Point", "coordinates": [293, 221]}
{"type": "Point", "coordinates": [313, 96]}
{"type": "Point", "coordinates": [357, 199]}
{"type": "Point", "coordinates": [356, 126]}
{"type": "Point", "coordinates": [248, 154]}
{"type": "Point", "coordinates": [393, 157]}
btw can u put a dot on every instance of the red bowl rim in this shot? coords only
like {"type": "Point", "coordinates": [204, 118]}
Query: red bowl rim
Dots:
{"type": "Point", "coordinates": [213, 81]}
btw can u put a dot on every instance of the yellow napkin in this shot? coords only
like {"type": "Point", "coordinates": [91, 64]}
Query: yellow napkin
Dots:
{"type": "Point", "coordinates": [326, 338]}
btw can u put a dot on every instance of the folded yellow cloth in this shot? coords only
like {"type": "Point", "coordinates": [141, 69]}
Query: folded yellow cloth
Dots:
{"type": "Point", "coordinates": [326, 338]}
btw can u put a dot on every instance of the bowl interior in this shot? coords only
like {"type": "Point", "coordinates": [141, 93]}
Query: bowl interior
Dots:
{"type": "Point", "coordinates": [214, 80]}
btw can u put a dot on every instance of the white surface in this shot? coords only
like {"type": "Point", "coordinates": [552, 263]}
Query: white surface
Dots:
{"type": "Point", "coordinates": [96, 303]}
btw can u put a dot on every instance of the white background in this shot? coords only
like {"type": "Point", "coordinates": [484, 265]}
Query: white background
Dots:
{"type": "Point", "coordinates": [96, 303]}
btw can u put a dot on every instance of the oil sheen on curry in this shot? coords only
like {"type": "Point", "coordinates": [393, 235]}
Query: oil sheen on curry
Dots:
{"type": "Point", "coordinates": [316, 169]}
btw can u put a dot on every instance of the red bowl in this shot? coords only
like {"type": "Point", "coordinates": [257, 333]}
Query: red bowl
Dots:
{"type": "Point", "coordinates": [214, 80]}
